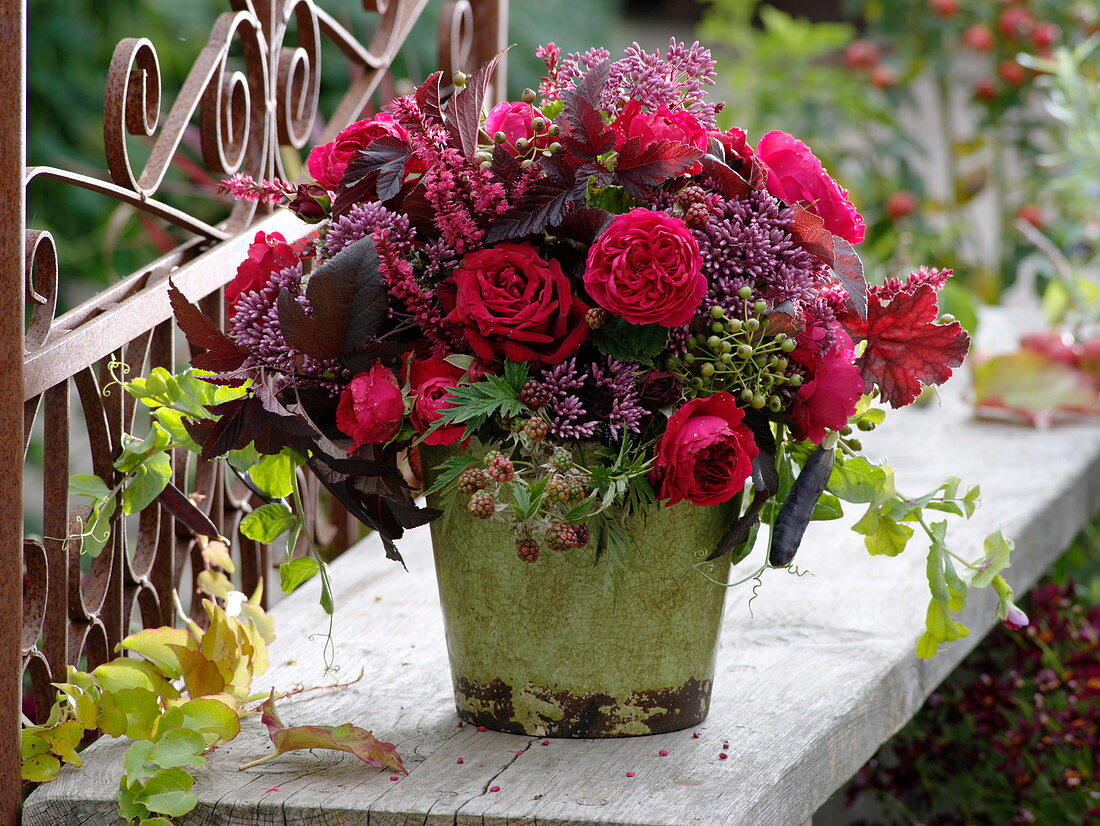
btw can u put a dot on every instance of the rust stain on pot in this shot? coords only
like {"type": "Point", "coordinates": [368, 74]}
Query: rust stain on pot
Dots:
{"type": "Point", "coordinates": [546, 711]}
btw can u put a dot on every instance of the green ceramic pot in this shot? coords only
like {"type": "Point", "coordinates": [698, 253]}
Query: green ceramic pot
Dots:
{"type": "Point", "coordinates": [563, 648]}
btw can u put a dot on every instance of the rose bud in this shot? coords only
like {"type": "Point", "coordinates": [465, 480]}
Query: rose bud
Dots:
{"type": "Point", "coordinates": [371, 408]}
{"type": "Point", "coordinates": [311, 203]}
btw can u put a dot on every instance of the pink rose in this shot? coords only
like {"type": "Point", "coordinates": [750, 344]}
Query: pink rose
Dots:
{"type": "Point", "coordinates": [268, 255]}
{"type": "Point", "coordinates": [328, 161]}
{"type": "Point", "coordinates": [833, 385]}
{"type": "Point", "coordinates": [512, 303]}
{"type": "Point", "coordinates": [371, 408]}
{"type": "Point", "coordinates": [705, 454]}
{"type": "Point", "coordinates": [514, 120]}
{"type": "Point", "coordinates": [664, 124]}
{"type": "Point", "coordinates": [646, 268]}
{"type": "Point", "coordinates": [795, 176]}
{"type": "Point", "coordinates": [433, 380]}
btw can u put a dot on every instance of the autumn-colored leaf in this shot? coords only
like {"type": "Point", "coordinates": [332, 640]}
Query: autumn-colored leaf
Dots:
{"type": "Point", "coordinates": [905, 345]}
{"type": "Point", "coordinates": [352, 739]}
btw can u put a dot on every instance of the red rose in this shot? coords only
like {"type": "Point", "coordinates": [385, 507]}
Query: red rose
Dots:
{"type": "Point", "coordinates": [735, 142]}
{"type": "Point", "coordinates": [833, 386]}
{"type": "Point", "coordinates": [371, 408]}
{"type": "Point", "coordinates": [268, 255]}
{"type": "Point", "coordinates": [795, 176]}
{"type": "Point", "coordinates": [328, 161]}
{"type": "Point", "coordinates": [705, 454]}
{"type": "Point", "coordinates": [512, 303]}
{"type": "Point", "coordinates": [433, 380]}
{"type": "Point", "coordinates": [650, 127]}
{"type": "Point", "coordinates": [646, 268]}
{"type": "Point", "coordinates": [515, 121]}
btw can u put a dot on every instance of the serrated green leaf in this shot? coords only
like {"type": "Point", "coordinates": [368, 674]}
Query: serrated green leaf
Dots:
{"type": "Point", "coordinates": [268, 522]}
{"type": "Point", "coordinates": [150, 478]}
{"type": "Point", "coordinates": [450, 470]}
{"type": "Point", "coordinates": [297, 571]}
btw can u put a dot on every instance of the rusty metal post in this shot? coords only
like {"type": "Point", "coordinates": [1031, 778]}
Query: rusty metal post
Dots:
{"type": "Point", "coordinates": [490, 37]}
{"type": "Point", "coordinates": [12, 221]}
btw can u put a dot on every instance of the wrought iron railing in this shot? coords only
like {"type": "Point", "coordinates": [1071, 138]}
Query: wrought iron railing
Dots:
{"type": "Point", "coordinates": [251, 95]}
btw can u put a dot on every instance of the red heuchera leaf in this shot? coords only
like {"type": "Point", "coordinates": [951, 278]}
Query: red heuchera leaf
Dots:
{"type": "Point", "coordinates": [347, 737]}
{"type": "Point", "coordinates": [640, 168]}
{"type": "Point", "coordinates": [904, 344]}
{"type": "Point", "coordinates": [808, 231]}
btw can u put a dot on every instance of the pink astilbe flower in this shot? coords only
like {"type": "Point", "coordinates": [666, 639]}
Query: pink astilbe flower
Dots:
{"type": "Point", "coordinates": [423, 305]}
{"type": "Point", "coordinates": [243, 187]}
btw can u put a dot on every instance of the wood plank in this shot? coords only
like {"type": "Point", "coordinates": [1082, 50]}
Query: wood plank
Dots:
{"type": "Point", "coordinates": [810, 680]}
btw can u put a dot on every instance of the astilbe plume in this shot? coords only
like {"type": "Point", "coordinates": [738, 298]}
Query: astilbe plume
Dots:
{"type": "Point", "coordinates": [255, 326]}
{"type": "Point", "coordinates": [748, 241]}
{"type": "Point", "coordinates": [421, 304]}
{"type": "Point", "coordinates": [243, 187]}
{"type": "Point", "coordinates": [363, 220]}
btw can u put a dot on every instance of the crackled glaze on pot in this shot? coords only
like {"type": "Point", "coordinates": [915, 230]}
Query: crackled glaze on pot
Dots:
{"type": "Point", "coordinates": [556, 648]}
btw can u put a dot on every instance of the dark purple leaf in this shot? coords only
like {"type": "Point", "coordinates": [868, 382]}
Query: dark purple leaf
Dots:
{"type": "Point", "coordinates": [544, 206]}
{"type": "Point", "coordinates": [464, 111]}
{"type": "Point", "coordinates": [372, 170]}
{"type": "Point", "coordinates": [583, 225]}
{"type": "Point", "coordinates": [641, 168]}
{"type": "Point", "coordinates": [222, 354]}
{"type": "Point", "coordinates": [186, 512]}
{"type": "Point", "coordinates": [246, 421]}
{"type": "Point", "coordinates": [428, 99]}
{"type": "Point", "coordinates": [728, 182]}
{"type": "Point", "coordinates": [505, 166]}
{"type": "Point", "coordinates": [584, 132]}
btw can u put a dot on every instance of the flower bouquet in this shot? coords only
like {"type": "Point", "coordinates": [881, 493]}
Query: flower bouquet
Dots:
{"type": "Point", "coordinates": [615, 340]}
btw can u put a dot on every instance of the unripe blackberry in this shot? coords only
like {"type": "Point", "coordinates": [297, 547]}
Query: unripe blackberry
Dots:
{"type": "Point", "coordinates": [536, 429]}
{"type": "Point", "coordinates": [597, 317]}
{"type": "Point", "coordinates": [482, 505]}
{"type": "Point", "coordinates": [559, 489]}
{"type": "Point", "coordinates": [471, 480]}
{"type": "Point", "coordinates": [577, 489]}
{"type": "Point", "coordinates": [690, 195]}
{"type": "Point", "coordinates": [534, 394]}
{"type": "Point", "coordinates": [697, 215]}
{"type": "Point", "coordinates": [580, 532]}
{"type": "Point", "coordinates": [491, 457]}
{"type": "Point", "coordinates": [527, 550]}
{"type": "Point", "coordinates": [562, 459]}
{"type": "Point", "coordinates": [502, 469]}
{"type": "Point", "coordinates": [560, 537]}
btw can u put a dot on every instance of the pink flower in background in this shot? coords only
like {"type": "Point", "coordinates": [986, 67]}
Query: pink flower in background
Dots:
{"type": "Point", "coordinates": [268, 255]}
{"type": "Point", "coordinates": [646, 268]}
{"type": "Point", "coordinates": [705, 454]}
{"type": "Point", "coordinates": [371, 408]}
{"type": "Point", "coordinates": [515, 121]}
{"type": "Point", "coordinates": [796, 176]}
{"type": "Point", "coordinates": [328, 162]}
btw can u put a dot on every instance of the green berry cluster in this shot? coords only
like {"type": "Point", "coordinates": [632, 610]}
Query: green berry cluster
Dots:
{"type": "Point", "coordinates": [741, 356]}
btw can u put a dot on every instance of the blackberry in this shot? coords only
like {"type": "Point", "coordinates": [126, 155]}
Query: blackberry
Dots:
{"type": "Point", "coordinates": [578, 489]}
{"type": "Point", "coordinates": [482, 505]}
{"type": "Point", "coordinates": [527, 550]}
{"type": "Point", "coordinates": [560, 537]}
{"type": "Point", "coordinates": [558, 488]}
{"type": "Point", "coordinates": [492, 456]}
{"type": "Point", "coordinates": [597, 317]}
{"type": "Point", "coordinates": [697, 215]}
{"type": "Point", "coordinates": [536, 429]}
{"type": "Point", "coordinates": [502, 469]}
{"type": "Point", "coordinates": [534, 394]}
{"type": "Point", "coordinates": [690, 195]}
{"type": "Point", "coordinates": [562, 459]}
{"type": "Point", "coordinates": [471, 480]}
{"type": "Point", "coordinates": [581, 534]}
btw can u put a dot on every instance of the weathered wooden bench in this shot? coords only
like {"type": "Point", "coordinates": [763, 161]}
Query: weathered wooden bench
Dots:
{"type": "Point", "coordinates": [811, 678]}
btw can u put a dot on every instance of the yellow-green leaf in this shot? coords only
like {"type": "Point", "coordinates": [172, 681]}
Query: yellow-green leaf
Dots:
{"type": "Point", "coordinates": [155, 645]}
{"type": "Point", "coordinates": [126, 673]}
{"type": "Point", "coordinates": [168, 793]}
{"type": "Point", "coordinates": [40, 768]}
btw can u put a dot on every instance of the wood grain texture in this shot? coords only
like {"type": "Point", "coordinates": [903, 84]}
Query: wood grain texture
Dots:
{"type": "Point", "coordinates": [809, 682]}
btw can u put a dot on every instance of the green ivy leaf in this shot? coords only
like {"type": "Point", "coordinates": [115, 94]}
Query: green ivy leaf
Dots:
{"type": "Point", "coordinates": [268, 522]}
{"type": "Point", "coordinates": [297, 571]}
{"type": "Point", "coordinates": [128, 806]}
{"type": "Point", "coordinates": [178, 747]}
{"type": "Point", "coordinates": [168, 793]}
{"type": "Point", "coordinates": [620, 339]}
{"type": "Point", "coordinates": [150, 478]}
{"type": "Point", "coordinates": [212, 719]}
{"type": "Point", "coordinates": [274, 474]}
{"type": "Point", "coordinates": [828, 507]}
{"type": "Point", "coordinates": [83, 484]}
{"type": "Point", "coordinates": [40, 768]}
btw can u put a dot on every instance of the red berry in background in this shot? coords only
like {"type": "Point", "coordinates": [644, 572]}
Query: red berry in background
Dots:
{"type": "Point", "coordinates": [985, 89]}
{"type": "Point", "coordinates": [883, 76]}
{"type": "Point", "coordinates": [862, 54]}
{"type": "Point", "coordinates": [901, 204]}
{"type": "Point", "coordinates": [1045, 35]}
{"type": "Point", "coordinates": [1012, 73]}
{"type": "Point", "coordinates": [1032, 214]}
{"type": "Point", "coordinates": [945, 8]}
{"type": "Point", "coordinates": [1016, 23]}
{"type": "Point", "coordinates": [979, 38]}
